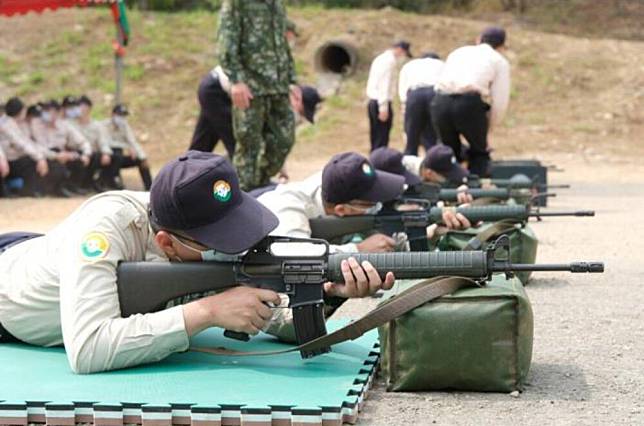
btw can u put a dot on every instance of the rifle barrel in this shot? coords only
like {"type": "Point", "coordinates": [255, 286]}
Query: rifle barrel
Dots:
{"type": "Point", "coordinates": [574, 267]}
{"type": "Point", "coordinates": [556, 213]}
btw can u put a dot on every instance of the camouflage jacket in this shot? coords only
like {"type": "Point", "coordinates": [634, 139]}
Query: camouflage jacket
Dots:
{"type": "Point", "coordinates": [252, 45]}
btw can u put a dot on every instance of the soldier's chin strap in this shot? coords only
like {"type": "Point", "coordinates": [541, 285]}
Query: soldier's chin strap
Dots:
{"type": "Point", "coordinates": [415, 296]}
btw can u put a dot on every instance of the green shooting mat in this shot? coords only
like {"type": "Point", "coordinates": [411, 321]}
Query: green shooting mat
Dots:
{"type": "Point", "coordinates": [192, 388]}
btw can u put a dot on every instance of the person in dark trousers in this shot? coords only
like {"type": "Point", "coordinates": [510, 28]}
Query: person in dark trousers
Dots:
{"type": "Point", "coordinates": [215, 120]}
{"type": "Point", "coordinates": [472, 96]}
{"type": "Point", "coordinates": [126, 151]}
{"type": "Point", "coordinates": [380, 91]}
{"type": "Point", "coordinates": [416, 91]}
{"type": "Point", "coordinates": [26, 161]}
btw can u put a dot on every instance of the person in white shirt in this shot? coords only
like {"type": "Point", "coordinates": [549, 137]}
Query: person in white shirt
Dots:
{"type": "Point", "coordinates": [416, 91]}
{"type": "Point", "coordinates": [61, 141]}
{"type": "Point", "coordinates": [472, 96]}
{"type": "Point", "coordinates": [381, 87]}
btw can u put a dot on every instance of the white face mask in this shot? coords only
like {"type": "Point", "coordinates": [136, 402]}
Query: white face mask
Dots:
{"type": "Point", "coordinates": [375, 209]}
{"type": "Point", "coordinates": [210, 255]}
{"type": "Point", "coordinates": [119, 121]}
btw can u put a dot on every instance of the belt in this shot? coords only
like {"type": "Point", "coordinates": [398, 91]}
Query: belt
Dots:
{"type": "Point", "coordinates": [6, 337]}
{"type": "Point", "coordinates": [419, 86]}
{"type": "Point", "coordinates": [12, 239]}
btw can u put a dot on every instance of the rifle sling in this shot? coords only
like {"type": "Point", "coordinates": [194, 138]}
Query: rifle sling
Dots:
{"type": "Point", "coordinates": [492, 231]}
{"type": "Point", "coordinates": [398, 305]}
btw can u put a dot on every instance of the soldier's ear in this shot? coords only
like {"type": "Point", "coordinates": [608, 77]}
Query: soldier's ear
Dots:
{"type": "Point", "coordinates": [340, 210]}
{"type": "Point", "coordinates": [165, 243]}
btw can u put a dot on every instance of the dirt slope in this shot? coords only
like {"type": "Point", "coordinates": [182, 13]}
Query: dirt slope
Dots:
{"type": "Point", "coordinates": [569, 94]}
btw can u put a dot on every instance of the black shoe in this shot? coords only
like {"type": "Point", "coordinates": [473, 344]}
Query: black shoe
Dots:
{"type": "Point", "coordinates": [64, 193]}
{"type": "Point", "coordinates": [78, 190]}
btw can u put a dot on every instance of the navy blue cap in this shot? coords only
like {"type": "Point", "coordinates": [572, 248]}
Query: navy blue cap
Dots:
{"type": "Point", "coordinates": [13, 107]}
{"type": "Point", "coordinates": [390, 160]}
{"type": "Point", "coordinates": [69, 101]}
{"type": "Point", "coordinates": [441, 159]}
{"type": "Point", "coordinates": [310, 100]}
{"type": "Point", "coordinates": [406, 46]}
{"type": "Point", "coordinates": [198, 195]}
{"type": "Point", "coordinates": [494, 36]}
{"type": "Point", "coordinates": [120, 109]}
{"type": "Point", "coordinates": [350, 176]}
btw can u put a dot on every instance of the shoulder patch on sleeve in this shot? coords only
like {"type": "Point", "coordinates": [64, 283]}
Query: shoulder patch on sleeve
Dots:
{"type": "Point", "coordinates": [94, 245]}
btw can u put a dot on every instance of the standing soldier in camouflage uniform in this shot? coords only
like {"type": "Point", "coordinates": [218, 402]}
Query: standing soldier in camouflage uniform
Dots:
{"type": "Point", "coordinates": [254, 54]}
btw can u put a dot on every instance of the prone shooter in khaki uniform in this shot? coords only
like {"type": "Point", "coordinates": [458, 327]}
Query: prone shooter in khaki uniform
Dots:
{"type": "Point", "coordinates": [60, 288]}
{"type": "Point", "coordinates": [255, 55]}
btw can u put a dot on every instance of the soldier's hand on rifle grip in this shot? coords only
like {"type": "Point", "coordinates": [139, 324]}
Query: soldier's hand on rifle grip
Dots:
{"type": "Point", "coordinates": [377, 243]}
{"type": "Point", "coordinates": [360, 280]}
{"type": "Point", "coordinates": [240, 309]}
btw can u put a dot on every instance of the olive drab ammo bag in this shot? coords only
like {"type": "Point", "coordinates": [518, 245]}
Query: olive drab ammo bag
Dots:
{"type": "Point", "coordinates": [476, 339]}
{"type": "Point", "coordinates": [523, 241]}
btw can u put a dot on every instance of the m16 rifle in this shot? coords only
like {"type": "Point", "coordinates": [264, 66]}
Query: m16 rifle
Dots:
{"type": "Point", "coordinates": [415, 222]}
{"type": "Point", "coordinates": [299, 268]}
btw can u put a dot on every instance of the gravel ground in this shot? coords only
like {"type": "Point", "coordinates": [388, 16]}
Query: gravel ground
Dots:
{"type": "Point", "coordinates": [588, 359]}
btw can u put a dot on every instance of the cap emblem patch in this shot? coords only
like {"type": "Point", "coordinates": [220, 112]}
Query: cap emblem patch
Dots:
{"type": "Point", "coordinates": [367, 169]}
{"type": "Point", "coordinates": [222, 191]}
{"type": "Point", "coordinates": [95, 245]}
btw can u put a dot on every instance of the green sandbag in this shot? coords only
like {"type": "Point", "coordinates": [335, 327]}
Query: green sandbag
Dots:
{"type": "Point", "coordinates": [523, 244]}
{"type": "Point", "coordinates": [478, 339]}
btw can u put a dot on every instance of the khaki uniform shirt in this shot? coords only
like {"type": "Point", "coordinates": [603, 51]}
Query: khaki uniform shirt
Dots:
{"type": "Point", "coordinates": [294, 204]}
{"type": "Point", "coordinates": [61, 136]}
{"type": "Point", "coordinates": [96, 135]}
{"type": "Point", "coordinates": [61, 288]}
{"type": "Point", "coordinates": [122, 138]}
{"type": "Point", "coordinates": [15, 143]}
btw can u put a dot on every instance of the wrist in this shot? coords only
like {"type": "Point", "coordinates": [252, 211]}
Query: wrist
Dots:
{"type": "Point", "coordinates": [198, 317]}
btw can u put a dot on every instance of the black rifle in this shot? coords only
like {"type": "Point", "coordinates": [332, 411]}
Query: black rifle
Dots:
{"type": "Point", "coordinates": [515, 182]}
{"type": "Point", "coordinates": [148, 286]}
{"type": "Point", "coordinates": [434, 193]}
{"type": "Point", "coordinates": [415, 222]}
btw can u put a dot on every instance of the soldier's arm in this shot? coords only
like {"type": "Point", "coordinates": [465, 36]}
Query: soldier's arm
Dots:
{"type": "Point", "coordinates": [95, 335]}
{"type": "Point", "coordinates": [78, 141]}
{"type": "Point", "coordinates": [103, 139]}
{"type": "Point", "coordinates": [229, 40]}
{"type": "Point", "coordinates": [22, 142]}
{"type": "Point", "coordinates": [134, 144]}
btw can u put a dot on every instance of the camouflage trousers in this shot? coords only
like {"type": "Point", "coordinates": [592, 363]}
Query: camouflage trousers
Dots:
{"type": "Point", "coordinates": [265, 134]}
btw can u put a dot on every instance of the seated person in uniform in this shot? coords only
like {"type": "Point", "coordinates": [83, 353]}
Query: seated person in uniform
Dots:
{"type": "Point", "coordinates": [62, 142]}
{"type": "Point", "coordinates": [126, 151]}
{"type": "Point", "coordinates": [349, 185]}
{"type": "Point", "coordinates": [60, 288]}
{"type": "Point", "coordinates": [25, 160]}
{"type": "Point", "coordinates": [97, 136]}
